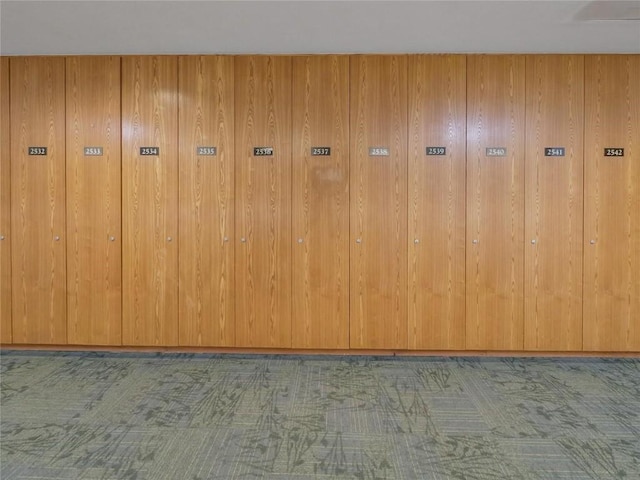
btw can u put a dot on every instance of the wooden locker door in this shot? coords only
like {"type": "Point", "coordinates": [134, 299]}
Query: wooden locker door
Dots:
{"type": "Point", "coordinates": [320, 202]}
{"type": "Point", "coordinates": [263, 201]}
{"type": "Point", "coordinates": [495, 202]}
{"type": "Point", "coordinates": [38, 200]}
{"type": "Point", "coordinates": [94, 257]}
{"type": "Point", "coordinates": [553, 202]}
{"type": "Point", "coordinates": [437, 173]}
{"type": "Point", "coordinates": [206, 126]}
{"type": "Point", "coordinates": [378, 186]}
{"type": "Point", "coordinates": [150, 200]}
{"type": "Point", "coordinates": [5, 205]}
{"type": "Point", "coordinates": [612, 203]}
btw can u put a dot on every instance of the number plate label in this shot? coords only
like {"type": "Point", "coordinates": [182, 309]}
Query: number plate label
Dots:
{"type": "Point", "coordinates": [554, 152]}
{"type": "Point", "coordinates": [150, 151]}
{"type": "Point", "coordinates": [378, 151]}
{"type": "Point", "coordinates": [436, 150]}
{"type": "Point", "coordinates": [93, 151]}
{"type": "Point", "coordinates": [496, 152]}
{"type": "Point", "coordinates": [262, 151]}
{"type": "Point", "coordinates": [37, 150]}
{"type": "Point", "coordinates": [614, 152]}
{"type": "Point", "coordinates": [320, 151]}
{"type": "Point", "coordinates": [209, 151]}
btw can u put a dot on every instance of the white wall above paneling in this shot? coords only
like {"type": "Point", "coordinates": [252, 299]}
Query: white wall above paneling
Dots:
{"type": "Point", "coordinates": [235, 27]}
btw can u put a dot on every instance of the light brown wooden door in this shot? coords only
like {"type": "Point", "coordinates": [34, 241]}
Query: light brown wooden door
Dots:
{"type": "Point", "coordinates": [612, 203]}
{"type": "Point", "coordinates": [553, 202]}
{"type": "Point", "coordinates": [320, 202]}
{"type": "Point", "coordinates": [495, 202]}
{"type": "Point", "coordinates": [378, 186]}
{"type": "Point", "coordinates": [263, 201]}
{"type": "Point", "coordinates": [5, 205]}
{"type": "Point", "coordinates": [94, 242]}
{"type": "Point", "coordinates": [38, 251]}
{"type": "Point", "coordinates": [206, 125]}
{"type": "Point", "coordinates": [150, 200]}
{"type": "Point", "coordinates": [437, 172]}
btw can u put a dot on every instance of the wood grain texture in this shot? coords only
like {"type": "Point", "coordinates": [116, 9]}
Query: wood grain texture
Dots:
{"type": "Point", "coordinates": [378, 186]}
{"type": "Point", "coordinates": [436, 240]}
{"type": "Point", "coordinates": [206, 118]}
{"type": "Point", "coordinates": [320, 202]}
{"type": "Point", "coordinates": [5, 205]}
{"type": "Point", "coordinates": [553, 203]}
{"type": "Point", "coordinates": [38, 200]}
{"type": "Point", "coordinates": [94, 240]}
{"type": "Point", "coordinates": [263, 201]}
{"type": "Point", "coordinates": [612, 204]}
{"type": "Point", "coordinates": [150, 200]}
{"type": "Point", "coordinates": [495, 202]}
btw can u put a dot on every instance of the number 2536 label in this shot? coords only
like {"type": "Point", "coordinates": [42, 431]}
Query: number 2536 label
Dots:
{"type": "Point", "coordinates": [262, 151]}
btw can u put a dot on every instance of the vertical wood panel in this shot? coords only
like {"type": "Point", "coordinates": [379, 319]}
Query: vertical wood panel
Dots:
{"type": "Point", "coordinates": [150, 200]}
{"type": "Point", "coordinates": [553, 203]}
{"type": "Point", "coordinates": [436, 241]}
{"type": "Point", "coordinates": [495, 202]}
{"type": "Point", "coordinates": [5, 205]}
{"type": "Point", "coordinates": [263, 201]}
{"type": "Point", "coordinates": [320, 202]}
{"type": "Point", "coordinates": [206, 201]}
{"type": "Point", "coordinates": [378, 186]}
{"type": "Point", "coordinates": [38, 200]}
{"type": "Point", "coordinates": [94, 257]}
{"type": "Point", "coordinates": [612, 204]}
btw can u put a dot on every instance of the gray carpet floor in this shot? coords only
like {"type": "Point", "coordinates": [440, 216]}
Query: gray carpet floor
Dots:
{"type": "Point", "coordinates": [197, 417]}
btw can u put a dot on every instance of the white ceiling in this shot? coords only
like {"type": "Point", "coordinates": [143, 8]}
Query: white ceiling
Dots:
{"type": "Point", "coordinates": [189, 27]}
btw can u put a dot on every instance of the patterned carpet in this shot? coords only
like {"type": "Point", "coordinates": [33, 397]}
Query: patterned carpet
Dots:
{"type": "Point", "coordinates": [197, 417]}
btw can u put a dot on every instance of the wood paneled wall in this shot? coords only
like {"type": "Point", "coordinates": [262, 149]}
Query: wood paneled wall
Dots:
{"type": "Point", "coordinates": [408, 202]}
{"type": "Point", "coordinates": [263, 201]}
{"type": "Point", "coordinates": [94, 241]}
{"type": "Point", "coordinates": [150, 200]}
{"type": "Point", "coordinates": [320, 202]}
{"type": "Point", "coordinates": [436, 248]}
{"type": "Point", "coordinates": [378, 202]}
{"type": "Point", "coordinates": [5, 205]}
{"type": "Point", "coordinates": [495, 202]}
{"type": "Point", "coordinates": [612, 204]}
{"type": "Point", "coordinates": [553, 203]}
{"type": "Point", "coordinates": [38, 267]}
{"type": "Point", "coordinates": [206, 214]}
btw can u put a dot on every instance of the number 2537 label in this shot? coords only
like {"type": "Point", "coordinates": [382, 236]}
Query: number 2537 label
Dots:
{"type": "Point", "coordinates": [320, 151]}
